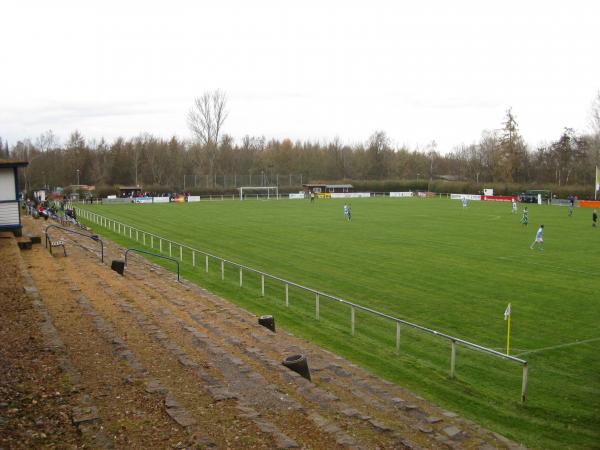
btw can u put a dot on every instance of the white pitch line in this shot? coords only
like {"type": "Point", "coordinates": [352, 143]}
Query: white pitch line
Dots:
{"type": "Point", "coordinates": [569, 344]}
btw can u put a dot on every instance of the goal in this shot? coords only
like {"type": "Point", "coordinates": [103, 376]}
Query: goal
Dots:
{"type": "Point", "coordinates": [272, 191]}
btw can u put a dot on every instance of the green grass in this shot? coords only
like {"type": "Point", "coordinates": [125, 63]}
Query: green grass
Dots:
{"type": "Point", "coordinates": [428, 262]}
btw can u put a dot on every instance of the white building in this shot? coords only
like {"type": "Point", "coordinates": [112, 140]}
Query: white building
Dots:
{"type": "Point", "coordinates": [10, 214]}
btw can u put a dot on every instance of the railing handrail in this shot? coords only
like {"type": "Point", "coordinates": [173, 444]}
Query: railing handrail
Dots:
{"type": "Point", "coordinates": [449, 337]}
{"type": "Point", "coordinates": [93, 237]}
{"type": "Point", "coordinates": [153, 254]}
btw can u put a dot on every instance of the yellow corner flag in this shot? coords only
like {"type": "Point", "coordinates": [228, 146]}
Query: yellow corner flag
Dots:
{"type": "Point", "coordinates": [507, 314]}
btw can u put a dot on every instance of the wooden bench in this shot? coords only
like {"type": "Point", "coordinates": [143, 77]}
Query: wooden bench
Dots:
{"type": "Point", "coordinates": [57, 243]}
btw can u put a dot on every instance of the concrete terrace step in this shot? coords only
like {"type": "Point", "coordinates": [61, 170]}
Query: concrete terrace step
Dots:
{"type": "Point", "coordinates": [237, 364]}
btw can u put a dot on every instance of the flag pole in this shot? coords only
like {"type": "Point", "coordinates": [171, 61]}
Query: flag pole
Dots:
{"type": "Point", "coordinates": [508, 336]}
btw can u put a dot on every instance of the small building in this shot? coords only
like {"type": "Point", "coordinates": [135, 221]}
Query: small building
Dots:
{"type": "Point", "coordinates": [320, 188]}
{"type": "Point", "coordinates": [10, 213]}
{"type": "Point", "coordinates": [129, 191]}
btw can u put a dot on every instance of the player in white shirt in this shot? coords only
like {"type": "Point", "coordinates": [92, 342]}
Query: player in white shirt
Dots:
{"type": "Point", "coordinates": [539, 238]}
{"type": "Point", "coordinates": [514, 205]}
{"type": "Point", "coordinates": [465, 202]}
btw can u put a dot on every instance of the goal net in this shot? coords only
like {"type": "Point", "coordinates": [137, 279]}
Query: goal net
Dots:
{"type": "Point", "coordinates": [258, 192]}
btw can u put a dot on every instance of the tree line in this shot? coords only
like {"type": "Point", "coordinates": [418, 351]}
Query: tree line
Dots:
{"type": "Point", "coordinates": [160, 164]}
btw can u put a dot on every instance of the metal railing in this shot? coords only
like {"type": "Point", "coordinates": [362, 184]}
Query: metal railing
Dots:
{"type": "Point", "coordinates": [147, 238]}
{"type": "Point", "coordinates": [153, 254]}
{"type": "Point", "coordinates": [93, 237]}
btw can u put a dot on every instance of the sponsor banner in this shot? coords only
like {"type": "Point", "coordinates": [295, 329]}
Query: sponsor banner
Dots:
{"type": "Point", "coordinates": [497, 198]}
{"type": "Point", "coordinates": [142, 199]}
{"type": "Point", "coordinates": [589, 204]}
{"type": "Point", "coordinates": [488, 192]}
{"type": "Point", "coordinates": [160, 199]}
{"type": "Point", "coordinates": [467, 196]}
{"type": "Point", "coordinates": [193, 198]}
{"type": "Point", "coordinates": [179, 199]}
{"type": "Point", "coordinates": [401, 194]}
{"type": "Point", "coordinates": [297, 196]}
{"type": "Point", "coordinates": [350, 194]}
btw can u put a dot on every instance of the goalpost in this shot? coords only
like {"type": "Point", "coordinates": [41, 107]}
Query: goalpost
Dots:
{"type": "Point", "coordinates": [269, 190]}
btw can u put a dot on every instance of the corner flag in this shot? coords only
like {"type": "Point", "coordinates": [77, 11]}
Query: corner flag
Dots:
{"type": "Point", "coordinates": [507, 315]}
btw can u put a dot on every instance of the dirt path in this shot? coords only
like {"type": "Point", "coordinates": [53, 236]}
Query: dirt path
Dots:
{"type": "Point", "coordinates": [153, 363]}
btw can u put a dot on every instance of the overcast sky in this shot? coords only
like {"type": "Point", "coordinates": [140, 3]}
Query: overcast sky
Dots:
{"type": "Point", "coordinates": [308, 70]}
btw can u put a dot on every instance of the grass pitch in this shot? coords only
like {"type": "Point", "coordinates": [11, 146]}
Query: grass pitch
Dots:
{"type": "Point", "coordinates": [431, 262]}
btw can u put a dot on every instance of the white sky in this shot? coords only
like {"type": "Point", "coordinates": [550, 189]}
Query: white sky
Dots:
{"type": "Point", "coordinates": [309, 70]}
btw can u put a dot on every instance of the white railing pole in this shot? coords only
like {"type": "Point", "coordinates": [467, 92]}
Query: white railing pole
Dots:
{"type": "Point", "coordinates": [193, 258]}
{"type": "Point", "coordinates": [129, 232]}
{"type": "Point", "coordinates": [151, 241]}
{"type": "Point", "coordinates": [453, 359]}
{"type": "Point", "coordinates": [397, 338]}
{"type": "Point", "coordinates": [136, 236]}
{"type": "Point", "coordinates": [524, 385]}
{"type": "Point", "coordinates": [206, 263]}
{"type": "Point", "coordinates": [170, 249]}
{"type": "Point", "coordinates": [180, 253]}
{"type": "Point", "coordinates": [352, 318]}
{"type": "Point", "coordinates": [160, 245]}
{"type": "Point", "coordinates": [222, 270]}
{"type": "Point", "coordinates": [241, 278]}
{"type": "Point", "coordinates": [287, 296]}
{"type": "Point", "coordinates": [144, 238]}
{"type": "Point", "coordinates": [317, 307]}
{"type": "Point", "coordinates": [262, 284]}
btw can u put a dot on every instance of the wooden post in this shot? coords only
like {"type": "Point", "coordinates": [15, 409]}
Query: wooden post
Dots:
{"type": "Point", "coordinates": [397, 338]}
{"type": "Point", "coordinates": [453, 359]}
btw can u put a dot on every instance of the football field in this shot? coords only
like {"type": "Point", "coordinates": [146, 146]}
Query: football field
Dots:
{"type": "Point", "coordinates": [430, 262]}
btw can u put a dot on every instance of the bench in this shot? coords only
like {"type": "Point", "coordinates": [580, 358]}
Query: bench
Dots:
{"type": "Point", "coordinates": [57, 243]}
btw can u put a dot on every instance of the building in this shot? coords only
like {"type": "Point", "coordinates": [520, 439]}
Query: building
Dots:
{"type": "Point", "coordinates": [319, 188]}
{"type": "Point", "coordinates": [10, 213]}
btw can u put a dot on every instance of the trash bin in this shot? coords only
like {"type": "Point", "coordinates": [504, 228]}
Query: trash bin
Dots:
{"type": "Point", "coordinates": [267, 322]}
{"type": "Point", "coordinates": [298, 364]}
{"type": "Point", "coordinates": [118, 266]}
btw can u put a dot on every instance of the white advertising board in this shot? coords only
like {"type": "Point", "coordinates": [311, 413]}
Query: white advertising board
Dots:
{"type": "Point", "coordinates": [350, 194]}
{"type": "Point", "coordinates": [296, 196]}
{"type": "Point", "coordinates": [467, 196]}
{"type": "Point", "coordinates": [401, 194]}
{"type": "Point", "coordinates": [160, 199]}
{"type": "Point", "coordinates": [193, 198]}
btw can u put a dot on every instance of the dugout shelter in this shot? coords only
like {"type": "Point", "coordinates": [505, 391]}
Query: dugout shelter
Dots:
{"type": "Point", "coordinates": [320, 188]}
{"type": "Point", "coordinates": [10, 214]}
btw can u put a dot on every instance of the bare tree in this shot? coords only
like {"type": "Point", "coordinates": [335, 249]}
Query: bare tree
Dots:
{"type": "Point", "coordinates": [206, 118]}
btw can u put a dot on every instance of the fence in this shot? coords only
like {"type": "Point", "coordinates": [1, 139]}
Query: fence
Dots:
{"type": "Point", "coordinates": [151, 239]}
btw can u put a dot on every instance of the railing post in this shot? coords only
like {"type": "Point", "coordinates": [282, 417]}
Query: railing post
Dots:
{"type": "Point", "coordinates": [524, 385]}
{"type": "Point", "coordinates": [206, 263]}
{"type": "Point", "coordinates": [151, 241]}
{"type": "Point", "coordinates": [144, 238]}
{"type": "Point", "coordinates": [160, 245]}
{"type": "Point", "coordinates": [129, 232]}
{"type": "Point", "coordinates": [180, 253]}
{"type": "Point", "coordinates": [317, 307]}
{"type": "Point", "coordinates": [287, 296]}
{"type": "Point", "coordinates": [397, 338]}
{"type": "Point", "coordinates": [222, 270]}
{"type": "Point", "coordinates": [193, 258]}
{"type": "Point", "coordinates": [452, 359]}
{"type": "Point", "coordinates": [262, 284]}
{"type": "Point", "coordinates": [137, 239]}
{"type": "Point", "coordinates": [352, 318]}
{"type": "Point", "coordinates": [170, 249]}
{"type": "Point", "coordinates": [241, 278]}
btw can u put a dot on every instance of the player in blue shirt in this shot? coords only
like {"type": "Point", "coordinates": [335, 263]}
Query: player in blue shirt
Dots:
{"type": "Point", "coordinates": [539, 238]}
